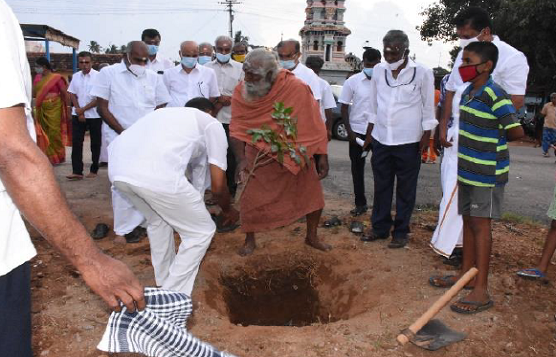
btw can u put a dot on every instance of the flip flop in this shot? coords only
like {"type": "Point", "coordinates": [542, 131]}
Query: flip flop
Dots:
{"type": "Point", "coordinates": [478, 307]}
{"type": "Point", "coordinates": [445, 281]}
{"type": "Point", "coordinates": [332, 222]}
{"type": "Point", "coordinates": [74, 177]}
{"type": "Point", "coordinates": [357, 227]}
{"type": "Point", "coordinates": [531, 274]}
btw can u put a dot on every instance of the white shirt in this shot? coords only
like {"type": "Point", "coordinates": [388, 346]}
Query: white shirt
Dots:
{"type": "Point", "coordinates": [401, 109]}
{"type": "Point", "coordinates": [81, 85]}
{"type": "Point", "coordinates": [228, 76]}
{"type": "Point", "coordinates": [159, 149]}
{"type": "Point", "coordinates": [15, 88]}
{"type": "Point", "coordinates": [328, 101]}
{"type": "Point", "coordinates": [310, 78]}
{"type": "Point", "coordinates": [200, 82]}
{"type": "Point", "coordinates": [159, 64]}
{"type": "Point", "coordinates": [357, 91]}
{"type": "Point", "coordinates": [510, 72]}
{"type": "Point", "coordinates": [129, 97]}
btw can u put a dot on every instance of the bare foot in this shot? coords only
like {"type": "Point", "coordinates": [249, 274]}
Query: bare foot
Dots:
{"type": "Point", "coordinates": [74, 177]}
{"type": "Point", "coordinates": [247, 249]}
{"type": "Point", "coordinates": [318, 244]}
{"type": "Point", "coordinates": [91, 175]}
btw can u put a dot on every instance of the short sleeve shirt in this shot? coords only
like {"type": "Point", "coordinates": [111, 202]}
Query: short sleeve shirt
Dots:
{"type": "Point", "coordinates": [328, 101]}
{"type": "Point", "coordinates": [160, 148]}
{"type": "Point", "coordinates": [356, 91]}
{"type": "Point", "coordinates": [483, 155]}
{"type": "Point", "coordinates": [228, 76]}
{"type": "Point", "coordinates": [81, 85]}
{"type": "Point", "coordinates": [15, 89]}
{"type": "Point", "coordinates": [183, 86]}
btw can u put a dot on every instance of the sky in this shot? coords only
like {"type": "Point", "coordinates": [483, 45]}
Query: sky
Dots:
{"type": "Point", "coordinates": [264, 22]}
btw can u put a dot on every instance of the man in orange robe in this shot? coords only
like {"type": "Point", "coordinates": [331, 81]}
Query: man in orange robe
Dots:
{"type": "Point", "coordinates": [277, 194]}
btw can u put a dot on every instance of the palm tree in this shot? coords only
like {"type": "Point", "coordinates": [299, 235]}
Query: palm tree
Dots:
{"type": "Point", "coordinates": [112, 49]}
{"type": "Point", "coordinates": [94, 47]}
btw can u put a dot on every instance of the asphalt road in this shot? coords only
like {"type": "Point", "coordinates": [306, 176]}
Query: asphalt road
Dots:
{"type": "Point", "coordinates": [529, 192]}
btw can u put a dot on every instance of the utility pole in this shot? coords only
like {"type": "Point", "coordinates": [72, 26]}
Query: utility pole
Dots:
{"type": "Point", "coordinates": [230, 6]}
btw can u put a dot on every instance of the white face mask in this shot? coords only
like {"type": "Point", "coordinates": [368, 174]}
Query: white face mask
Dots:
{"type": "Point", "coordinates": [136, 69]}
{"type": "Point", "coordinates": [394, 66]}
{"type": "Point", "coordinates": [463, 42]}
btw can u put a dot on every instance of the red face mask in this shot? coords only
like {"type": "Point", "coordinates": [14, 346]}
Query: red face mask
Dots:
{"type": "Point", "coordinates": [469, 73]}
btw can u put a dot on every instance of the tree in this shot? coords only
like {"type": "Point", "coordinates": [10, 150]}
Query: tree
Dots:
{"type": "Point", "coordinates": [112, 49]}
{"type": "Point", "coordinates": [525, 24]}
{"type": "Point", "coordinates": [123, 49]}
{"type": "Point", "coordinates": [94, 47]}
{"type": "Point", "coordinates": [239, 38]}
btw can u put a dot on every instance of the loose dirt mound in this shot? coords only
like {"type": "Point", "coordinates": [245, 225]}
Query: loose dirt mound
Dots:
{"type": "Point", "coordinates": [290, 300]}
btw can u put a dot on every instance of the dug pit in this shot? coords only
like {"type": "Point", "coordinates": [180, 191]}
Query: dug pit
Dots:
{"type": "Point", "coordinates": [300, 293]}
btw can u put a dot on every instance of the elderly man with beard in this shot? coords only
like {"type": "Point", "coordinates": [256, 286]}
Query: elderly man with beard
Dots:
{"type": "Point", "coordinates": [278, 194]}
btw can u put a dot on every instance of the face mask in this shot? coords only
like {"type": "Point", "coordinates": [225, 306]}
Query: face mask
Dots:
{"type": "Point", "coordinates": [287, 64]}
{"type": "Point", "coordinates": [137, 69]}
{"type": "Point", "coordinates": [463, 42]}
{"type": "Point", "coordinates": [223, 58]}
{"type": "Point", "coordinates": [204, 60]}
{"type": "Point", "coordinates": [239, 58]}
{"type": "Point", "coordinates": [189, 62]}
{"type": "Point", "coordinates": [368, 72]}
{"type": "Point", "coordinates": [469, 73]}
{"type": "Point", "coordinates": [394, 66]}
{"type": "Point", "coordinates": [39, 70]}
{"type": "Point", "coordinates": [153, 50]}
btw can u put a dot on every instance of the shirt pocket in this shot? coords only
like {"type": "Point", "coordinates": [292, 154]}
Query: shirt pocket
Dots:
{"type": "Point", "coordinates": [203, 89]}
{"type": "Point", "coordinates": [407, 93]}
{"type": "Point", "coordinates": [148, 95]}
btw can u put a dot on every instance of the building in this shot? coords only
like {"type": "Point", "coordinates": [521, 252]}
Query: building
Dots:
{"type": "Point", "coordinates": [62, 62]}
{"type": "Point", "coordinates": [325, 35]}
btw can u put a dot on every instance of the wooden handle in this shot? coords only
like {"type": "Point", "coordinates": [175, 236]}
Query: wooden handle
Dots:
{"type": "Point", "coordinates": [438, 305]}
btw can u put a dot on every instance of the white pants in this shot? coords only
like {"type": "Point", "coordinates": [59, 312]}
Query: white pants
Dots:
{"type": "Point", "coordinates": [107, 138]}
{"type": "Point", "coordinates": [184, 212]}
{"type": "Point", "coordinates": [126, 216]}
{"type": "Point", "coordinates": [449, 231]}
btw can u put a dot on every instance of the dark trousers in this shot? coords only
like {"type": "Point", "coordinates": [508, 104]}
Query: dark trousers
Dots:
{"type": "Point", "coordinates": [400, 163]}
{"type": "Point", "coordinates": [15, 312]}
{"type": "Point", "coordinates": [358, 172]}
{"type": "Point", "coordinates": [231, 161]}
{"type": "Point", "coordinates": [78, 136]}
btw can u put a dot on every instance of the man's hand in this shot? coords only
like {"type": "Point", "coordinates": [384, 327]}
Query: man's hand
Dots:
{"type": "Point", "coordinates": [225, 100]}
{"type": "Point", "coordinates": [329, 133]}
{"type": "Point", "coordinates": [443, 139]}
{"type": "Point", "coordinates": [241, 171]}
{"type": "Point", "coordinates": [351, 136]}
{"type": "Point", "coordinates": [322, 166]}
{"type": "Point", "coordinates": [81, 118]}
{"type": "Point", "coordinates": [230, 217]}
{"type": "Point", "coordinates": [79, 111]}
{"type": "Point", "coordinates": [425, 141]}
{"type": "Point", "coordinates": [113, 282]}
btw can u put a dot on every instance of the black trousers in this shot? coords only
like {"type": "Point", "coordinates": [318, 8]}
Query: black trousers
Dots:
{"type": "Point", "coordinates": [400, 163]}
{"type": "Point", "coordinates": [358, 172]}
{"type": "Point", "coordinates": [231, 161]}
{"type": "Point", "coordinates": [78, 136]}
{"type": "Point", "coordinates": [15, 312]}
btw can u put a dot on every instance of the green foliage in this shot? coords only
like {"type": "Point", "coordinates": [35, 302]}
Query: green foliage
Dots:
{"type": "Point", "coordinates": [527, 25]}
{"type": "Point", "coordinates": [282, 142]}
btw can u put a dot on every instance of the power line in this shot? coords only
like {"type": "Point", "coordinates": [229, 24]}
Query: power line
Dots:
{"type": "Point", "coordinates": [230, 6]}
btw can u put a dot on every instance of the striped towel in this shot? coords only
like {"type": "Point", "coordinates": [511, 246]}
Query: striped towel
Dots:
{"type": "Point", "coordinates": [157, 331]}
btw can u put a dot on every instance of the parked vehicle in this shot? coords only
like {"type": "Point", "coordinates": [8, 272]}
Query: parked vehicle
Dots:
{"type": "Point", "coordinates": [339, 131]}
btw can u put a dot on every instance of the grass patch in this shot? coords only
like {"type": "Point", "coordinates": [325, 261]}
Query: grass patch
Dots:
{"type": "Point", "coordinates": [510, 217]}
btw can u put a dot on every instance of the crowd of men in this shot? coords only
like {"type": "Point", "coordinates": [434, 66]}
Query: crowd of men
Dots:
{"type": "Point", "coordinates": [170, 132]}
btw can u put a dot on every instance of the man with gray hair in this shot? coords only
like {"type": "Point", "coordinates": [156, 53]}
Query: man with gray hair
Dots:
{"type": "Point", "coordinates": [126, 92]}
{"type": "Point", "coordinates": [206, 53]}
{"type": "Point", "coordinates": [401, 117]}
{"type": "Point", "coordinates": [228, 75]}
{"type": "Point", "coordinates": [189, 79]}
{"type": "Point", "coordinates": [279, 193]}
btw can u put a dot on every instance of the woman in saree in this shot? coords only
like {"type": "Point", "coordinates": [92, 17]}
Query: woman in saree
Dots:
{"type": "Point", "coordinates": [51, 112]}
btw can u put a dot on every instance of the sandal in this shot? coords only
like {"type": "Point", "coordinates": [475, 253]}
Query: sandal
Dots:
{"type": "Point", "coordinates": [74, 177]}
{"type": "Point", "coordinates": [332, 222]}
{"type": "Point", "coordinates": [446, 281]}
{"type": "Point", "coordinates": [357, 227]}
{"type": "Point", "coordinates": [476, 306]}
{"type": "Point", "coordinates": [531, 274]}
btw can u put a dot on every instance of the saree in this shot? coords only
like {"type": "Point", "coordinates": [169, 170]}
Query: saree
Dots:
{"type": "Point", "coordinates": [52, 123]}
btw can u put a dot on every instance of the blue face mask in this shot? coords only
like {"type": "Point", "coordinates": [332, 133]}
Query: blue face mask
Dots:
{"type": "Point", "coordinates": [223, 58]}
{"type": "Point", "coordinates": [189, 62]}
{"type": "Point", "coordinates": [204, 59]}
{"type": "Point", "coordinates": [153, 49]}
{"type": "Point", "coordinates": [368, 72]}
{"type": "Point", "coordinates": [287, 64]}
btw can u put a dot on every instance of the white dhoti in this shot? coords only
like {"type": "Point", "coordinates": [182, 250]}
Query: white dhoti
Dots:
{"type": "Point", "coordinates": [184, 212]}
{"type": "Point", "coordinates": [449, 230]}
{"type": "Point", "coordinates": [107, 138]}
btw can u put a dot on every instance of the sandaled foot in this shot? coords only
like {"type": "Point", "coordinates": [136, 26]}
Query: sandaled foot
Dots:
{"type": "Point", "coordinates": [372, 236]}
{"type": "Point", "coordinates": [471, 307]}
{"type": "Point", "coordinates": [318, 245]}
{"type": "Point", "coordinates": [74, 177]}
{"type": "Point", "coordinates": [91, 175]}
{"type": "Point", "coordinates": [247, 249]}
{"type": "Point", "coordinates": [531, 274]}
{"type": "Point", "coordinates": [446, 281]}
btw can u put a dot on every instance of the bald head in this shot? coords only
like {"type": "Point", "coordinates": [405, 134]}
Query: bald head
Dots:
{"type": "Point", "coordinates": [189, 49]}
{"type": "Point", "coordinates": [137, 52]}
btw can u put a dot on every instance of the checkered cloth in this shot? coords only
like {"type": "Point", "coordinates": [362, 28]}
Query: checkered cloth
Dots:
{"type": "Point", "coordinates": [157, 331]}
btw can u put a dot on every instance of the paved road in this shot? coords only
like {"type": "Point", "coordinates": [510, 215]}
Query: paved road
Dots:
{"type": "Point", "coordinates": [529, 192]}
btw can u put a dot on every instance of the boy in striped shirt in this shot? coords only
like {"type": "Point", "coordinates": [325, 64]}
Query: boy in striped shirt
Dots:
{"type": "Point", "coordinates": [487, 122]}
